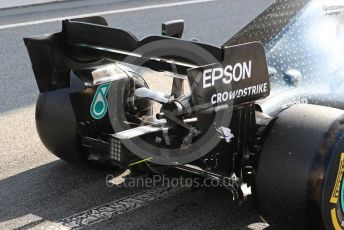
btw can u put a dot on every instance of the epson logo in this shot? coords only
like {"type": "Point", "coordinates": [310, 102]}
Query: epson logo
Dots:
{"type": "Point", "coordinates": [228, 74]}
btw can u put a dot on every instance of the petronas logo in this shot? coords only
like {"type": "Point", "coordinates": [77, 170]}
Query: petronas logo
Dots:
{"type": "Point", "coordinates": [99, 104]}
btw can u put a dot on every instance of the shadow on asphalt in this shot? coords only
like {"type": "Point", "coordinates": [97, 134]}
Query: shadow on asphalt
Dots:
{"type": "Point", "coordinates": [199, 208]}
{"type": "Point", "coordinates": [58, 189]}
{"type": "Point", "coordinates": [54, 191]}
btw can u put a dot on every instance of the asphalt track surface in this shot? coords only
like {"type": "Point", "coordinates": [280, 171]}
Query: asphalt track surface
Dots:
{"type": "Point", "coordinates": [38, 190]}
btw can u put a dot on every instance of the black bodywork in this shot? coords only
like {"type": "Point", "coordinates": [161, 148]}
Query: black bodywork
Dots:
{"type": "Point", "coordinates": [64, 62]}
{"type": "Point", "coordinates": [292, 53]}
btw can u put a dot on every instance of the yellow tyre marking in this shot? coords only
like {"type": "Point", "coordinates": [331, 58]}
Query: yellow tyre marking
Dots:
{"type": "Point", "coordinates": [335, 220]}
{"type": "Point", "coordinates": [335, 193]}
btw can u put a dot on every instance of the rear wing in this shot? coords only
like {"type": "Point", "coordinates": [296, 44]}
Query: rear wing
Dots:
{"type": "Point", "coordinates": [89, 42]}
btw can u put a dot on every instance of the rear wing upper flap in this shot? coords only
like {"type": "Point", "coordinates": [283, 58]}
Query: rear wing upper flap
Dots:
{"type": "Point", "coordinates": [80, 32]}
{"type": "Point", "coordinates": [98, 37]}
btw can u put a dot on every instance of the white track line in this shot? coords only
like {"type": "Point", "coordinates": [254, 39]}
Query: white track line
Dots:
{"type": "Point", "coordinates": [112, 209]}
{"type": "Point", "coordinates": [101, 13]}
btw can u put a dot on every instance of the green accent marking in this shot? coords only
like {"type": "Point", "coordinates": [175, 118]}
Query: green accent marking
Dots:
{"type": "Point", "coordinates": [99, 107]}
{"type": "Point", "coordinates": [141, 161]}
{"type": "Point", "coordinates": [99, 104]}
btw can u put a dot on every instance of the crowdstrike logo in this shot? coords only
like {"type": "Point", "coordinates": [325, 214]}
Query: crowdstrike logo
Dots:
{"type": "Point", "coordinates": [231, 95]}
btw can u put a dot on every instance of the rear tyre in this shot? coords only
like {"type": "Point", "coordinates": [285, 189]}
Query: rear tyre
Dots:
{"type": "Point", "coordinates": [299, 180]}
{"type": "Point", "coordinates": [56, 124]}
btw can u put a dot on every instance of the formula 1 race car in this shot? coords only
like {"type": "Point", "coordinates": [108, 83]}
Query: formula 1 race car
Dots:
{"type": "Point", "coordinates": [264, 110]}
